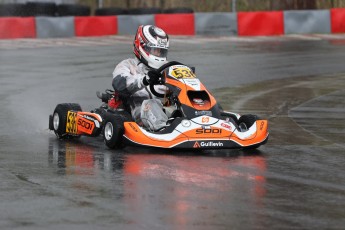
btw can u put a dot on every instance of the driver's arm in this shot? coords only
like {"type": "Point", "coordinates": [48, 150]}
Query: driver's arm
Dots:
{"type": "Point", "coordinates": [126, 79]}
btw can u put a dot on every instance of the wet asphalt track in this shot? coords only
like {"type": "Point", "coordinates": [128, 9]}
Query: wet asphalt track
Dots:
{"type": "Point", "coordinates": [295, 181]}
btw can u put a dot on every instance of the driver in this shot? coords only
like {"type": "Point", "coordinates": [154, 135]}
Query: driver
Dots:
{"type": "Point", "coordinates": [132, 76]}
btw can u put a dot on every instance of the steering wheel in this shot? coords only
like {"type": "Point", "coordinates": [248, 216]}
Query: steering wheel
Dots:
{"type": "Point", "coordinates": [160, 70]}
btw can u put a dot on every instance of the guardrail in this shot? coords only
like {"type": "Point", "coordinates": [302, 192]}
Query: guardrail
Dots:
{"type": "Point", "coordinates": [219, 24]}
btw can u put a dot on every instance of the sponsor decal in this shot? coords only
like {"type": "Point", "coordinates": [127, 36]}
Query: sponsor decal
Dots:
{"type": "Point", "coordinates": [208, 131]}
{"type": "Point", "coordinates": [227, 126]}
{"type": "Point", "coordinates": [196, 145]}
{"type": "Point", "coordinates": [85, 124]}
{"type": "Point", "coordinates": [71, 124]}
{"type": "Point", "coordinates": [203, 113]}
{"type": "Point", "coordinates": [132, 126]}
{"type": "Point", "coordinates": [211, 144]}
{"type": "Point", "coordinates": [205, 119]}
{"type": "Point", "coordinates": [92, 119]}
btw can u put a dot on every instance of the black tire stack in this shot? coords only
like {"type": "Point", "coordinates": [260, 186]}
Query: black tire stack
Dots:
{"type": "Point", "coordinates": [40, 9]}
{"type": "Point", "coordinates": [73, 10]}
{"type": "Point", "coordinates": [13, 10]}
{"type": "Point", "coordinates": [141, 11]}
{"type": "Point", "coordinates": [33, 9]}
{"type": "Point", "coordinates": [110, 11]}
{"type": "Point", "coordinates": [178, 10]}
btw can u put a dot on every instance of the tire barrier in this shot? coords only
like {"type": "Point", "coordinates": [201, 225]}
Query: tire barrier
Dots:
{"type": "Point", "coordinates": [110, 11]}
{"type": "Point", "coordinates": [73, 10]}
{"type": "Point", "coordinates": [176, 24]}
{"type": "Point", "coordinates": [128, 24]}
{"type": "Point", "coordinates": [338, 20]}
{"type": "Point", "coordinates": [178, 10]}
{"type": "Point", "coordinates": [14, 27]}
{"type": "Point", "coordinates": [95, 26]}
{"type": "Point", "coordinates": [13, 10]}
{"type": "Point", "coordinates": [49, 27]}
{"type": "Point", "coordinates": [260, 23]}
{"type": "Point", "coordinates": [40, 9]}
{"type": "Point", "coordinates": [138, 11]}
{"type": "Point", "coordinates": [307, 22]}
{"type": "Point", "coordinates": [218, 24]}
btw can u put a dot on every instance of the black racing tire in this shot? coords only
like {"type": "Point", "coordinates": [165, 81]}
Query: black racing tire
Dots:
{"type": "Point", "coordinates": [113, 130]}
{"type": "Point", "coordinates": [139, 11]}
{"type": "Point", "coordinates": [178, 10]}
{"type": "Point", "coordinates": [41, 9]}
{"type": "Point", "coordinates": [13, 9]}
{"type": "Point", "coordinates": [110, 11]}
{"type": "Point", "coordinates": [248, 120]}
{"type": "Point", "coordinates": [73, 10]}
{"type": "Point", "coordinates": [60, 119]}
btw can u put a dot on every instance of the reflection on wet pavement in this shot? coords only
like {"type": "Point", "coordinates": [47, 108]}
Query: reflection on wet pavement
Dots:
{"type": "Point", "coordinates": [177, 184]}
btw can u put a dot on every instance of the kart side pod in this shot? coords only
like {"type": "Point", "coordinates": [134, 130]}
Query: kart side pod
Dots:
{"type": "Point", "coordinates": [69, 121]}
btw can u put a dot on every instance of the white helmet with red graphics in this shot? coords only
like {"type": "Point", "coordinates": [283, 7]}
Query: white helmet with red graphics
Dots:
{"type": "Point", "coordinates": [151, 46]}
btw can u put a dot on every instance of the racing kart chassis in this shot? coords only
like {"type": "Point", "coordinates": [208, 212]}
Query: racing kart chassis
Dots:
{"type": "Point", "coordinates": [197, 120]}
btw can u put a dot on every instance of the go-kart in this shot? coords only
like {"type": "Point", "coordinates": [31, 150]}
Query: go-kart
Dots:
{"type": "Point", "coordinates": [196, 120]}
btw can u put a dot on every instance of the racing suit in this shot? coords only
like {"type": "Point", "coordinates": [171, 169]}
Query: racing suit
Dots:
{"type": "Point", "coordinates": [128, 82]}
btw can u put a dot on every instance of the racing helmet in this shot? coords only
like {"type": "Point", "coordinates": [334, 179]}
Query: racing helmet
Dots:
{"type": "Point", "coordinates": [151, 46]}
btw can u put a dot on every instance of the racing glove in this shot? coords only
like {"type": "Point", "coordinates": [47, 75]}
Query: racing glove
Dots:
{"type": "Point", "coordinates": [152, 77]}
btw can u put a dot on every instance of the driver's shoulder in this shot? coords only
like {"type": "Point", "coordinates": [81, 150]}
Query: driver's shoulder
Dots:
{"type": "Point", "coordinates": [128, 61]}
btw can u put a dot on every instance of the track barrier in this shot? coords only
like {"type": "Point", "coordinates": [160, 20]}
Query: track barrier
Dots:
{"type": "Point", "coordinates": [176, 24]}
{"type": "Point", "coordinates": [338, 20]}
{"type": "Point", "coordinates": [307, 22]}
{"type": "Point", "coordinates": [17, 27]}
{"type": "Point", "coordinates": [218, 24]}
{"type": "Point", "coordinates": [51, 27]}
{"type": "Point", "coordinates": [128, 24]}
{"type": "Point", "coordinates": [95, 26]}
{"type": "Point", "coordinates": [260, 23]}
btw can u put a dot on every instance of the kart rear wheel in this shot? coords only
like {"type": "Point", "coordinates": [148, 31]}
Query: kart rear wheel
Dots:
{"type": "Point", "coordinates": [59, 119]}
{"type": "Point", "coordinates": [113, 131]}
{"type": "Point", "coordinates": [246, 121]}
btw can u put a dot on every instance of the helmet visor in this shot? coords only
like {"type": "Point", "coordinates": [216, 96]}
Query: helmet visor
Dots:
{"type": "Point", "coordinates": [155, 51]}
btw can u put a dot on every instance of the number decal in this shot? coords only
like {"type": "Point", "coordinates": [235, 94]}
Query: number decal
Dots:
{"type": "Point", "coordinates": [182, 72]}
{"type": "Point", "coordinates": [71, 124]}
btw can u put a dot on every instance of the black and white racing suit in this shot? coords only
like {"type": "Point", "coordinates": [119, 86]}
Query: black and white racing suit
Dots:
{"type": "Point", "coordinates": [128, 81]}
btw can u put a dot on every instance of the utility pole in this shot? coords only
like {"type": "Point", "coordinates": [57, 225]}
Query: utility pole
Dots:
{"type": "Point", "coordinates": [233, 5]}
{"type": "Point", "coordinates": [100, 3]}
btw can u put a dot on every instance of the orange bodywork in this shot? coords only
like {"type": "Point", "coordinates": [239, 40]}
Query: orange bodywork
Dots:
{"type": "Point", "coordinates": [81, 123]}
{"type": "Point", "coordinates": [259, 136]}
{"type": "Point", "coordinates": [183, 96]}
{"type": "Point", "coordinates": [135, 134]}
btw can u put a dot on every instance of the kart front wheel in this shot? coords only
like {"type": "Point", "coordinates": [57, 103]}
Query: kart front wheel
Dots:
{"type": "Point", "coordinates": [113, 131]}
{"type": "Point", "coordinates": [59, 119]}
